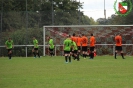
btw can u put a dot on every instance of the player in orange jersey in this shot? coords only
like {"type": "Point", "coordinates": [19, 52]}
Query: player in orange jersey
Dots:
{"type": "Point", "coordinates": [84, 43]}
{"type": "Point", "coordinates": [79, 44]}
{"type": "Point", "coordinates": [92, 46]}
{"type": "Point", "coordinates": [74, 38]}
{"type": "Point", "coordinates": [118, 47]}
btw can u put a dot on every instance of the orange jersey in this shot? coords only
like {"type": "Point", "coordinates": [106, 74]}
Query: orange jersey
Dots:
{"type": "Point", "coordinates": [92, 41]}
{"type": "Point", "coordinates": [84, 41]}
{"type": "Point", "coordinates": [74, 39]}
{"type": "Point", "coordinates": [79, 41]}
{"type": "Point", "coordinates": [118, 40]}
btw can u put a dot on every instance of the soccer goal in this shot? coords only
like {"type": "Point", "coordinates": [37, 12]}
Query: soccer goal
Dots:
{"type": "Point", "coordinates": [104, 37]}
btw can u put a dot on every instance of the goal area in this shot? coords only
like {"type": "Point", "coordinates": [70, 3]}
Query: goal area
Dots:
{"type": "Point", "coordinates": [104, 35]}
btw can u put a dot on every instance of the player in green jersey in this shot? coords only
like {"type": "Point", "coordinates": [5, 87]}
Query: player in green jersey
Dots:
{"type": "Point", "coordinates": [75, 50]}
{"type": "Point", "coordinates": [67, 48]}
{"type": "Point", "coordinates": [9, 46]}
{"type": "Point", "coordinates": [35, 49]}
{"type": "Point", "coordinates": [51, 46]}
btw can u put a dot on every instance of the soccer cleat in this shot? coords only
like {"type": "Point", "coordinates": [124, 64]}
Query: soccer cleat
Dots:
{"type": "Point", "coordinates": [66, 62]}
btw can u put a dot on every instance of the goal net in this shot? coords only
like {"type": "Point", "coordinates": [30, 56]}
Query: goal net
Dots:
{"type": "Point", "coordinates": [104, 35]}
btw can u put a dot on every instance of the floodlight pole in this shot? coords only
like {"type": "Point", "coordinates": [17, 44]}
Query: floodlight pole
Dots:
{"type": "Point", "coordinates": [26, 26]}
{"type": "Point", "coordinates": [79, 13]}
{"type": "Point", "coordinates": [52, 14]}
{"type": "Point", "coordinates": [104, 10]}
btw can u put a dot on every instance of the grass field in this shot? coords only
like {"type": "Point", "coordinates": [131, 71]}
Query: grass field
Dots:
{"type": "Point", "coordinates": [53, 72]}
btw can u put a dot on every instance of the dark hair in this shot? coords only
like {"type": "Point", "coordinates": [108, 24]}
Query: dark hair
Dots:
{"type": "Point", "coordinates": [69, 35]}
{"type": "Point", "coordinates": [91, 34]}
{"type": "Point", "coordinates": [73, 34]}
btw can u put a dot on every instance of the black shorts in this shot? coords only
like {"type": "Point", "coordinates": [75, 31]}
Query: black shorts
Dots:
{"type": "Point", "coordinates": [92, 48]}
{"type": "Point", "coordinates": [118, 48]}
{"type": "Point", "coordinates": [35, 48]}
{"type": "Point", "coordinates": [9, 50]}
{"type": "Point", "coordinates": [66, 52]}
{"type": "Point", "coordinates": [84, 48]}
{"type": "Point", "coordinates": [51, 49]}
{"type": "Point", "coordinates": [75, 51]}
{"type": "Point", "coordinates": [79, 47]}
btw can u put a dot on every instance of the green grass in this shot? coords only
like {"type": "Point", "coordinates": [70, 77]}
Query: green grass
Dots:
{"type": "Point", "coordinates": [47, 72]}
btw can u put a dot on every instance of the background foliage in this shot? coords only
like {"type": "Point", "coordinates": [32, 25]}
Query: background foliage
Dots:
{"type": "Point", "coordinates": [21, 19]}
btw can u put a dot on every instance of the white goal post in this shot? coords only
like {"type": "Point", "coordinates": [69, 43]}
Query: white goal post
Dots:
{"type": "Point", "coordinates": [104, 33]}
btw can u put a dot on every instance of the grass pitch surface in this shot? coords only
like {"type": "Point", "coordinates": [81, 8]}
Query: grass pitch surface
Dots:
{"type": "Point", "coordinates": [53, 72]}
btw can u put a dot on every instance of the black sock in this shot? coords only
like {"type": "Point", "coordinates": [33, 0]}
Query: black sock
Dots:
{"type": "Point", "coordinates": [66, 58]}
{"type": "Point", "coordinates": [53, 53]}
{"type": "Point", "coordinates": [78, 57]}
{"type": "Point", "coordinates": [122, 55]}
{"type": "Point", "coordinates": [115, 54]}
{"type": "Point", "coordinates": [83, 55]}
{"type": "Point", "coordinates": [9, 55]}
{"type": "Point", "coordinates": [34, 54]}
{"type": "Point", "coordinates": [50, 53]}
{"type": "Point", "coordinates": [92, 55]}
{"type": "Point", "coordinates": [38, 54]}
{"type": "Point", "coordinates": [69, 58]}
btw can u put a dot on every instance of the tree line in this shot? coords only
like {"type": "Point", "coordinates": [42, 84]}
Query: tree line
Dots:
{"type": "Point", "coordinates": [22, 19]}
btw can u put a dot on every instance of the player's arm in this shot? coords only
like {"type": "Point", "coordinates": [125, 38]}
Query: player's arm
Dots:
{"type": "Point", "coordinates": [6, 45]}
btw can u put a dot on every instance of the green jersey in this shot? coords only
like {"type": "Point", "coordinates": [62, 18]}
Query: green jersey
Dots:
{"type": "Point", "coordinates": [75, 46]}
{"type": "Point", "coordinates": [67, 44]}
{"type": "Point", "coordinates": [9, 44]}
{"type": "Point", "coordinates": [51, 43]}
{"type": "Point", "coordinates": [35, 42]}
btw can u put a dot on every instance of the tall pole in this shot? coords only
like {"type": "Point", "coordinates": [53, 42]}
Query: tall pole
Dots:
{"type": "Point", "coordinates": [52, 14]}
{"type": "Point", "coordinates": [104, 10]}
{"type": "Point", "coordinates": [79, 13]}
{"type": "Point", "coordinates": [26, 26]}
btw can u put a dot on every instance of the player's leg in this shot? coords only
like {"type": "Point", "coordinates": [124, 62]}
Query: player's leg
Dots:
{"type": "Point", "coordinates": [83, 52]}
{"type": "Point", "coordinates": [9, 53]}
{"type": "Point", "coordinates": [116, 50]}
{"type": "Point", "coordinates": [91, 52]}
{"type": "Point", "coordinates": [50, 52]}
{"type": "Point", "coordinates": [33, 51]}
{"type": "Point", "coordinates": [78, 53]}
{"type": "Point", "coordinates": [69, 56]}
{"type": "Point", "coordinates": [37, 52]}
{"type": "Point", "coordinates": [121, 52]}
{"type": "Point", "coordinates": [66, 57]}
{"type": "Point", "coordinates": [74, 55]}
{"type": "Point", "coordinates": [71, 53]}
